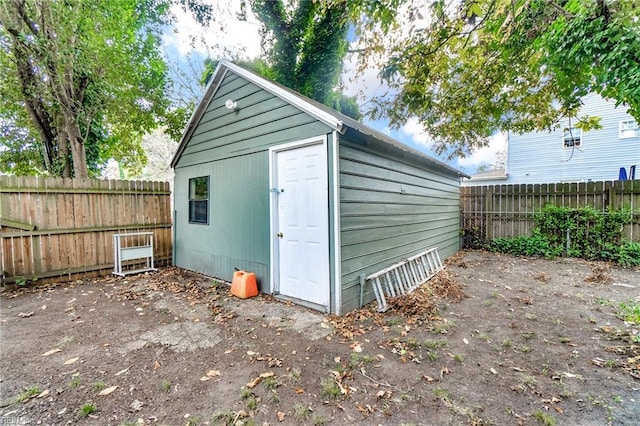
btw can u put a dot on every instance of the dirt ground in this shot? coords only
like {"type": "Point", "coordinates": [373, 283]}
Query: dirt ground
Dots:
{"type": "Point", "coordinates": [494, 339]}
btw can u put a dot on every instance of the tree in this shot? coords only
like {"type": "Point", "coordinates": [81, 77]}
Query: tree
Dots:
{"type": "Point", "coordinates": [304, 46]}
{"type": "Point", "coordinates": [517, 65]}
{"type": "Point", "coordinates": [83, 82]}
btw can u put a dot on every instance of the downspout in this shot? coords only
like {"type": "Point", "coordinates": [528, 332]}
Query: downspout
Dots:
{"type": "Point", "coordinates": [337, 276]}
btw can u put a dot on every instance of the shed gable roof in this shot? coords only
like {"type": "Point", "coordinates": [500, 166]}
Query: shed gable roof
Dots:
{"type": "Point", "coordinates": [335, 120]}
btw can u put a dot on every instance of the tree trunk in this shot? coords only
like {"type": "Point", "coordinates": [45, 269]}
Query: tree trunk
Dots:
{"type": "Point", "coordinates": [62, 167]}
{"type": "Point", "coordinates": [77, 146]}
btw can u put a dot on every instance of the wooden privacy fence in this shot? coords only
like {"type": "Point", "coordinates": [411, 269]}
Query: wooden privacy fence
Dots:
{"type": "Point", "coordinates": [62, 229]}
{"type": "Point", "coordinates": [496, 211]}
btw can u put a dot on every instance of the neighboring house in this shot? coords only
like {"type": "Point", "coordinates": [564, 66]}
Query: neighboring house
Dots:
{"type": "Point", "coordinates": [269, 181]}
{"type": "Point", "coordinates": [575, 156]}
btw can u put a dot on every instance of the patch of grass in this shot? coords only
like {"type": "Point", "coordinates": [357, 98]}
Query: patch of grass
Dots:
{"type": "Point", "coordinates": [75, 383]}
{"type": "Point", "coordinates": [557, 321]}
{"type": "Point", "coordinates": [193, 421]}
{"type": "Point", "coordinates": [531, 317]}
{"type": "Point", "coordinates": [252, 403]}
{"type": "Point", "coordinates": [488, 303]}
{"type": "Point", "coordinates": [87, 409]}
{"type": "Point", "coordinates": [412, 343]}
{"type": "Point", "coordinates": [359, 360]}
{"type": "Point", "coordinates": [434, 344]}
{"type": "Point", "coordinates": [432, 355]}
{"type": "Point", "coordinates": [544, 418]}
{"type": "Point", "coordinates": [26, 394]}
{"type": "Point", "coordinates": [527, 335]}
{"type": "Point", "coordinates": [442, 393]}
{"type": "Point", "coordinates": [224, 417]}
{"type": "Point", "coordinates": [565, 339]}
{"type": "Point", "coordinates": [274, 397]}
{"type": "Point", "coordinates": [317, 420]}
{"type": "Point", "coordinates": [629, 312]}
{"type": "Point", "coordinates": [330, 388]}
{"type": "Point", "coordinates": [165, 386]}
{"type": "Point", "coordinates": [98, 386]}
{"type": "Point", "coordinates": [245, 393]}
{"type": "Point", "coordinates": [395, 321]}
{"type": "Point", "coordinates": [484, 337]}
{"type": "Point", "coordinates": [506, 343]}
{"type": "Point", "coordinates": [524, 349]}
{"type": "Point", "coordinates": [443, 327]}
{"type": "Point", "coordinates": [604, 302]}
{"type": "Point", "coordinates": [271, 383]}
{"type": "Point", "coordinates": [611, 363]}
{"type": "Point", "coordinates": [301, 411]}
{"type": "Point", "coordinates": [494, 295]}
{"type": "Point", "coordinates": [295, 375]}
{"type": "Point", "coordinates": [458, 358]}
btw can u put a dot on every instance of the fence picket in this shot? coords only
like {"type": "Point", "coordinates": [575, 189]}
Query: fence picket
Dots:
{"type": "Point", "coordinates": [74, 223]}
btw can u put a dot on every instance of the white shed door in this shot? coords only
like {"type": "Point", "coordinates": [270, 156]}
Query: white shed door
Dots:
{"type": "Point", "coordinates": [302, 223]}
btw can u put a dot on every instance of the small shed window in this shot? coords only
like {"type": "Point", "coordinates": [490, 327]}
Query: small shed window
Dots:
{"type": "Point", "coordinates": [572, 137]}
{"type": "Point", "coordinates": [199, 200]}
{"type": "Point", "coordinates": [628, 129]}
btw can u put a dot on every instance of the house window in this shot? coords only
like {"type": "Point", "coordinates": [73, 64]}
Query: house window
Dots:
{"type": "Point", "coordinates": [572, 137]}
{"type": "Point", "coordinates": [199, 200]}
{"type": "Point", "coordinates": [628, 129]}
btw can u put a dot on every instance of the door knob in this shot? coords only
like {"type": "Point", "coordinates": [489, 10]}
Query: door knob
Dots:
{"type": "Point", "coordinates": [280, 234]}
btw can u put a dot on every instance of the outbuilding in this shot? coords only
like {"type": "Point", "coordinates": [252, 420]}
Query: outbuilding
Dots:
{"type": "Point", "coordinates": [310, 200]}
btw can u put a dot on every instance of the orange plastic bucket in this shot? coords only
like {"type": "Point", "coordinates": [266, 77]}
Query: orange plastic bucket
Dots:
{"type": "Point", "coordinates": [244, 284]}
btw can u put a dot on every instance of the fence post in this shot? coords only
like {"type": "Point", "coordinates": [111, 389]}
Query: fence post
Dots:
{"type": "Point", "coordinates": [488, 208]}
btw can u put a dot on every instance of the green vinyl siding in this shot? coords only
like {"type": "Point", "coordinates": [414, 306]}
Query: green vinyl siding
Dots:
{"type": "Point", "coordinates": [231, 148]}
{"type": "Point", "coordinates": [390, 210]}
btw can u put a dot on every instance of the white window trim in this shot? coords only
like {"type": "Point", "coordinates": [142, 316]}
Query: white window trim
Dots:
{"type": "Point", "coordinates": [566, 136]}
{"type": "Point", "coordinates": [628, 129]}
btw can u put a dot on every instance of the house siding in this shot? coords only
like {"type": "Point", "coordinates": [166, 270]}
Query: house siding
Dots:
{"type": "Point", "coordinates": [390, 210]}
{"type": "Point", "coordinates": [231, 147]}
{"type": "Point", "coordinates": [540, 157]}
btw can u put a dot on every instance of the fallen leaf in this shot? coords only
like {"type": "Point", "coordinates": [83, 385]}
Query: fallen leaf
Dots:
{"type": "Point", "coordinates": [299, 390]}
{"type": "Point", "coordinates": [107, 391]}
{"type": "Point", "coordinates": [52, 351]}
{"type": "Point", "coordinates": [213, 373]}
{"type": "Point", "coordinates": [380, 356]}
{"type": "Point", "coordinates": [381, 394]}
{"type": "Point", "coordinates": [121, 372]}
{"type": "Point", "coordinates": [466, 342]}
{"type": "Point", "coordinates": [336, 359]}
{"type": "Point", "coordinates": [156, 365]}
{"type": "Point", "coordinates": [267, 374]}
{"type": "Point", "coordinates": [428, 378]}
{"type": "Point", "coordinates": [558, 409]}
{"type": "Point", "coordinates": [44, 393]}
{"type": "Point", "coordinates": [71, 361]}
{"type": "Point", "coordinates": [357, 348]}
{"type": "Point", "coordinates": [252, 384]}
{"type": "Point", "coordinates": [72, 300]}
{"type": "Point", "coordinates": [136, 405]}
{"type": "Point", "coordinates": [25, 314]}
{"type": "Point", "coordinates": [281, 416]}
{"type": "Point", "coordinates": [493, 370]}
{"type": "Point", "coordinates": [228, 351]}
{"type": "Point", "coordinates": [252, 353]}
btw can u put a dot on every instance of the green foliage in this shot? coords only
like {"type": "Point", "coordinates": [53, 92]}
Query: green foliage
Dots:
{"type": "Point", "coordinates": [27, 394]}
{"type": "Point", "coordinates": [82, 81]}
{"type": "Point", "coordinates": [86, 409]}
{"type": "Point", "coordinates": [630, 312]}
{"type": "Point", "coordinates": [629, 254]}
{"type": "Point", "coordinates": [581, 232]}
{"type": "Point", "coordinates": [516, 65]}
{"type": "Point", "coordinates": [304, 46]}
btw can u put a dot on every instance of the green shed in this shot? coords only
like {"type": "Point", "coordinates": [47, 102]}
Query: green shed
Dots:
{"type": "Point", "coordinates": [269, 181]}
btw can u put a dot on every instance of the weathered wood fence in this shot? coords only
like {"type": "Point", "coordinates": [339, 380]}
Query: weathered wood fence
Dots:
{"type": "Point", "coordinates": [62, 229]}
{"type": "Point", "coordinates": [496, 211]}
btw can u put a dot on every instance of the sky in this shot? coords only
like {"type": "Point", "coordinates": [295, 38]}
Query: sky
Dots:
{"type": "Point", "coordinates": [187, 44]}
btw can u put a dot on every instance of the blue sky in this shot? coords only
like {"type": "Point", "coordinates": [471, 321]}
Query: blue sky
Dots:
{"type": "Point", "coordinates": [188, 44]}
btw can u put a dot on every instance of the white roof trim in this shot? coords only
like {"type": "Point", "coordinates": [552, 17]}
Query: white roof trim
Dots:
{"type": "Point", "coordinates": [291, 98]}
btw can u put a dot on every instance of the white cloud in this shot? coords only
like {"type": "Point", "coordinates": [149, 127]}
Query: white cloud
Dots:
{"type": "Point", "coordinates": [224, 37]}
{"type": "Point", "coordinates": [414, 130]}
{"type": "Point", "coordinates": [487, 154]}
